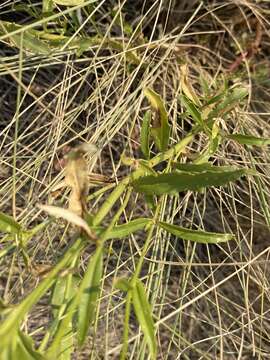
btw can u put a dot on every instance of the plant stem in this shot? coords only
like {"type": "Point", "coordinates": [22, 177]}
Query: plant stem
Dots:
{"type": "Point", "coordinates": [110, 201]}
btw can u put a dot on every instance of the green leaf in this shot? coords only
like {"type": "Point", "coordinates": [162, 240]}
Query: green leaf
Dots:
{"type": "Point", "coordinates": [11, 323]}
{"type": "Point", "coordinates": [192, 110]}
{"type": "Point", "coordinates": [8, 224]}
{"type": "Point", "coordinates": [122, 284]}
{"type": "Point", "coordinates": [150, 201]}
{"type": "Point", "coordinates": [249, 139]}
{"type": "Point", "coordinates": [201, 168]}
{"type": "Point", "coordinates": [145, 134]}
{"type": "Point", "coordinates": [160, 127]}
{"type": "Point", "coordinates": [63, 292]}
{"type": "Point", "coordinates": [28, 39]}
{"type": "Point", "coordinates": [175, 182]}
{"type": "Point", "coordinates": [214, 141]}
{"type": "Point", "coordinates": [109, 202]}
{"type": "Point", "coordinates": [229, 102]}
{"type": "Point", "coordinates": [21, 347]}
{"type": "Point", "coordinates": [199, 236]}
{"type": "Point", "coordinates": [215, 99]}
{"type": "Point", "coordinates": [124, 230]}
{"type": "Point", "coordinates": [58, 295]}
{"type": "Point", "coordinates": [26, 348]}
{"type": "Point", "coordinates": [90, 288]}
{"type": "Point", "coordinates": [143, 313]}
{"type": "Point", "coordinates": [146, 169]}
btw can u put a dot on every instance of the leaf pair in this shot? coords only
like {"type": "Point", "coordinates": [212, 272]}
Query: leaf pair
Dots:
{"type": "Point", "coordinates": [218, 105]}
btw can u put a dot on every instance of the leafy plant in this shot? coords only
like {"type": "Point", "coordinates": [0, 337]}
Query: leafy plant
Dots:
{"type": "Point", "coordinates": [82, 303]}
{"type": "Point", "coordinates": [165, 172]}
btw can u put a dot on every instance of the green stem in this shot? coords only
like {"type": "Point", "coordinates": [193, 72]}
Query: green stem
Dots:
{"type": "Point", "coordinates": [120, 188]}
{"type": "Point", "coordinates": [110, 201]}
{"type": "Point", "coordinates": [114, 220]}
{"type": "Point", "coordinates": [169, 154]}
{"type": "Point", "coordinates": [175, 150]}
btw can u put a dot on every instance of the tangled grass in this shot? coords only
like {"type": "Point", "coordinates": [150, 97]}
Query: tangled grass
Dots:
{"type": "Point", "coordinates": [208, 301]}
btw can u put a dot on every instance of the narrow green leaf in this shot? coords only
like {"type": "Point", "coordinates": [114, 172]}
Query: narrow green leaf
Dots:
{"type": "Point", "coordinates": [201, 168]}
{"type": "Point", "coordinates": [192, 110]}
{"type": "Point", "coordinates": [160, 127]}
{"type": "Point", "coordinates": [249, 139]}
{"type": "Point", "coordinates": [145, 134]}
{"type": "Point", "coordinates": [121, 231]}
{"type": "Point", "coordinates": [27, 347]}
{"type": "Point", "coordinates": [30, 41]}
{"type": "Point", "coordinates": [8, 224]}
{"type": "Point", "coordinates": [230, 101]}
{"type": "Point", "coordinates": [143, 313]}
{"type": "Point", "coordinates": [90, 288]}
{"type": "Point", "coordinates": [11, 323]}
{"type": "Point", "coordinates": [175, 182]}
{"type": "Point", "coordinates": [150, 201]}
{"type": "Point", "coordinates": [199, 236]}
{"type": "Point", "coordinates": [63, 292]}
{"type": "Point", "coordinates": [58, 295]}
{"type": "Point", "coordinates": [109, 202]}
{"type": "Point", "coordinates": [21, 347]}
{"type": "Point", "coordinates": [214, 141]}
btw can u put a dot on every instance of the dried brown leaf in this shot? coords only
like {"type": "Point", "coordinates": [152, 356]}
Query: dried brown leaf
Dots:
{"type": "Point", "coordinates": [186, 85]}
{"type": "Point", "coordinates": [76, 177]}
{"type": "Point", "coordinates": [68, 215]}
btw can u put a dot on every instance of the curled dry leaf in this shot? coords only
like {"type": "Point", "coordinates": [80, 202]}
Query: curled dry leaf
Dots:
{"type": "Point", "coordinates": [76, 177]}
{"type": "Point", "coordinates": [186, 85]}
{"type": "Point", "coordinates": [69, 216]}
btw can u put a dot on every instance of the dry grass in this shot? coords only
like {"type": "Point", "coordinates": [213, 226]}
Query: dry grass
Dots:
{"type": "Point", "coordinates": [209, 302]}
